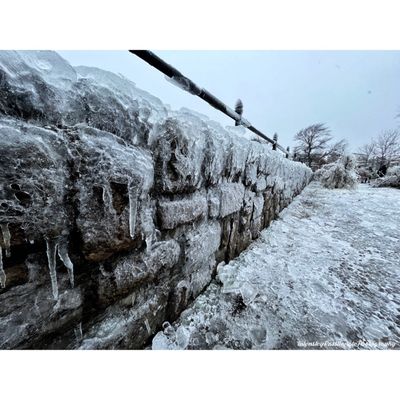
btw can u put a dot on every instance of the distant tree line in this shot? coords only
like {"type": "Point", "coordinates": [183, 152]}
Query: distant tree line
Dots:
{"type": "Point", "coordinates": [315, 147]}
{"type": "Point", "coordinates": [380, 153]}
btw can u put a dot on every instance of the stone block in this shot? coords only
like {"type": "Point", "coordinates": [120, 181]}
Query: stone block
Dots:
{"type": "Point", "coordinates": [214, 202]}
{"type": "Point", "coordinates": [258, 206]}
{"type": "Point", "coordinates": [201, 243]}
{"type": "Point", "coordinates": [132, 270]}
{"type": "Point", "coordinates": [179, 153]}
{"type": "Point", "coordinates": [34, 181]}
{"type": "Point", "coordinates": [178, 212]}
{"type": "Point", "coordinates": [231, 198]}
{"type": "Point", "coordinates": [261, 184]}
{"type": "Point", "coordinates": [112, 189]}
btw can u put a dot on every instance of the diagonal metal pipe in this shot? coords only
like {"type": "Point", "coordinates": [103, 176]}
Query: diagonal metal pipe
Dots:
{"type": "Point", "coordinates": [188, 85]}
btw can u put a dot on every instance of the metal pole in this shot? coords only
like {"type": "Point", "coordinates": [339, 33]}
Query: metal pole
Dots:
{"type": "Point", "coordinates": [275, 139]}
{"type": "Point", "coordinates": [186, 84]}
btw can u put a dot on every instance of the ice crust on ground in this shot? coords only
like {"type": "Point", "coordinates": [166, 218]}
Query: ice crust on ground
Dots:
{"type": "Point", "coordinates": [324, 275]}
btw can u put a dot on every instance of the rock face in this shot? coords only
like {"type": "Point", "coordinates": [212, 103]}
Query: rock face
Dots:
{"type": "Point", "coordinates": [115, 210]}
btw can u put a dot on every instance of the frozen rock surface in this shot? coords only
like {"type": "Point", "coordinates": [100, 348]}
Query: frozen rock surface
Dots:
{"type": "Point", "coordinates": [114, 209]}
{"type": "Point", "coordinates": [178, 212]}
{"type": "Point", "coordinates": [325, 275]}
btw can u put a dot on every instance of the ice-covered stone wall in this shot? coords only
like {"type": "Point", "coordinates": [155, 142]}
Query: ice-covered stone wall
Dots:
{"type": "Point", "coordinates": [114, 209]}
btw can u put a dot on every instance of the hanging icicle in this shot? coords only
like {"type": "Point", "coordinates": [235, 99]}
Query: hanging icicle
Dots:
{"type": "Point", "coordinates": [64, 257]}
{"type": "Point", "coordinates": [107, 197]}
{"type": "Point", "coordinates": [148, 228]}
{"type": "Point", "coordinates": [2, 273]}
{"type": "Point", "coordinates": [147, 325]}
{"type": "Point", "coordinates": [51, 246]}
{"type": "Point", "coordinates": [6, 238]}
{"type": "Point", "coordinates": [78, 332]}
{"type": "Point", "coordinates": [133, 192]}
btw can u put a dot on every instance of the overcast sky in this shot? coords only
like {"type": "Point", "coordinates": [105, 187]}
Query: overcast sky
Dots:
{"type": "Point", "coordinates": [356, 93]}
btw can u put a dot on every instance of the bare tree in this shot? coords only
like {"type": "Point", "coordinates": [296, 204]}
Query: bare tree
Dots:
{"type": "Point", "coordinates": [379, 153]}
{"type": "Point", "coordinates": [312, 141]}
{"type": "Point", "coordinates": [336, 151]}
{"type": "Point", "coordinates": [387, 147]}
{"type": "Point", "coordinates": [314, 146]}
{"type": "Point", "coordinates": [367, 152]}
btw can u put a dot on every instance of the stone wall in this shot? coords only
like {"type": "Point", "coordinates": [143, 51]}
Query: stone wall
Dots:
{"type": "Point", "coordinates": [114, 209]}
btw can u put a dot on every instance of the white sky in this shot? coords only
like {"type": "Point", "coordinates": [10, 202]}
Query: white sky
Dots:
{"type": "Point", "coordinates": [356, 93]}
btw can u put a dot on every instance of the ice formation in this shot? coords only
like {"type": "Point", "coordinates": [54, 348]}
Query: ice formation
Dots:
{"type": "Point", "coordinates": [78, 332]}
{"type": "Point", "coordinates": [324, 275]}
{"type": "Point", "coordinates": [106, 196]}
{"type": "Point", "coordinates": [248, 293]}
{"type": "Point", "coordinates": [51, 250]}
{"type": "Point", "coordinates": [64, 257]}
{"type": "Point", "coordinates": [183, 83]}
{"type": "Point", "coordinates": [340, 174]}
{"type": "Point", "coordinates": [151, 108]}
{"type": "Point", "coordinates": [2, 273]}
{"type": "Point", "coordinates": [182, 337]}
{"type": "Point", "coordinates": [6, 242]}
{"type": "Point", "coordinates": [60, 247]}
{"type": "Point", "coordinates": [6, 238]}
{"type": "Point", "coordinates": [162, 342]}
{"type": "Point", "coordinates": [133, 193]}
{"type": "Point", "coordinates": [147, 325]}
{"type": "Point", "coordinates": [93, 156]}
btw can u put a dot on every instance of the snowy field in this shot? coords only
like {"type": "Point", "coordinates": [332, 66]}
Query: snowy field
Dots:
{"type": "Point", "coordinates": [325, 275]}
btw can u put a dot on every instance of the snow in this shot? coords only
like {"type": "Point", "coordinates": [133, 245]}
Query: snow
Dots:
{"type": "Point", "coordinates": [324, 275]}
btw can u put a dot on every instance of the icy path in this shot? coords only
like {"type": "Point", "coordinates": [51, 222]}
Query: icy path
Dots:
{"type": "Point", "coordinates": [326, 274]}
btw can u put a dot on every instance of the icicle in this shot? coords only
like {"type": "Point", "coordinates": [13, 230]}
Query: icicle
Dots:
{"type": "Point", "coordinates": [78, 332]}
{"type": "Point", "coordinates": [2, 273]}
{"type": "Point", "coordinates": [107, 197]}
{"type": "Point", "coordinates": [6, 238]}
{"type": "Point", "coordinates": [51, 258]}
{"type": "Point", "coordinates": [133, 197]}
{"type": "Point", "coordinates": [149, 243]}
{"type": "Point", "coordinates": [147, 325]}
{"type": "Point", "coordinates": [148, 228]}
{"type": "Point", "coordinates": [64, 257]}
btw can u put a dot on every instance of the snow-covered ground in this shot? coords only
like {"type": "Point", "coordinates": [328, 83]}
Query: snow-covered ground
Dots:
{"type": "Point", "coordinates": [326, 274]}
